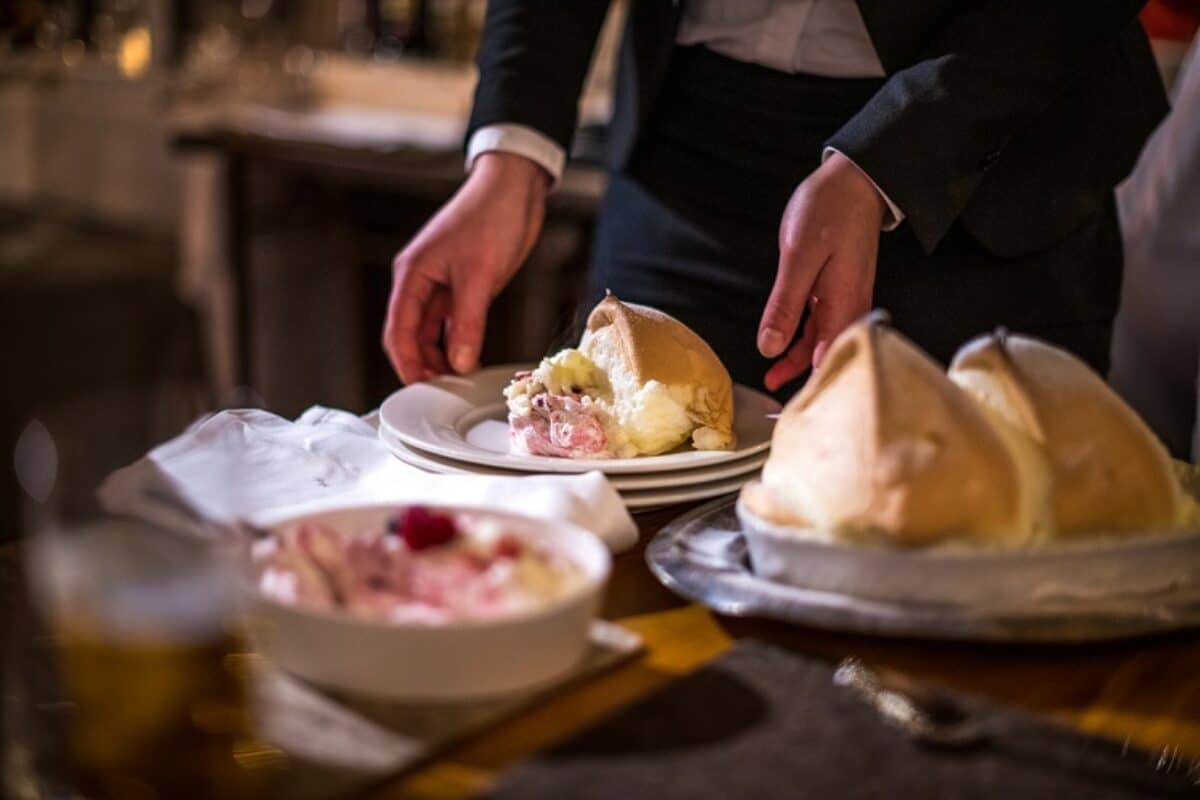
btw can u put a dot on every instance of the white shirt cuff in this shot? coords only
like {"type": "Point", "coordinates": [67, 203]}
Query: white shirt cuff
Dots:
{"type": "Point", "coordinates": [521, 140]}
{"type": "Point", "coordinates": [894, 216]}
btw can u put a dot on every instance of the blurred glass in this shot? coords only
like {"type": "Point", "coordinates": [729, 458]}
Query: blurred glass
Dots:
{"type": "Point", "coordinates": [59, 23]}
{"type": "Point", "coordinates": [128, 673]}
{"type": "Point", "coordinates": [112, 21]}
{"type": "Point", "coordinates": [446, 29]}
{"type": "Point", "coordinates": [152, 667]}
{"type": "Point", "coordinates": [241, 50]}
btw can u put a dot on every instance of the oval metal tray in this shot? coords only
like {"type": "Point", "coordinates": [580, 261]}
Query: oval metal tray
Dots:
{"type": "Point", "coordinates": [702, 556]}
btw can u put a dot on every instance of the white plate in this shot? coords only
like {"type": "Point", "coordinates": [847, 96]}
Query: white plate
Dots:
{"type": "Point", "coordinates": [745, 468]}
{"type": "Point", "coordinates": [655, 498]}
{"type": "Point", "coordinates": [704, 556]}
{"type": "Point", "coordinates": [634, 499]}
{"type": "Point", "coordinates": [464, 418]}
{"type": "Point", "coordinates": [1099, 569]}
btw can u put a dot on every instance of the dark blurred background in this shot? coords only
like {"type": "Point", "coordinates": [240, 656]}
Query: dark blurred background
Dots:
{"type": "Point", "coordinates": [200, 200]}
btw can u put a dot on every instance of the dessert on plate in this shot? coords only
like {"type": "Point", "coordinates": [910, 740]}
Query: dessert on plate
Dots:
{"type": "Point", "coordinates": [424, 566]}
{"type": "Point", "coordinates": [422, 603]}
{"type": "Point", "coordinates": [1019, 444]}
{"type": "Point", "coordinates": [640, 383]}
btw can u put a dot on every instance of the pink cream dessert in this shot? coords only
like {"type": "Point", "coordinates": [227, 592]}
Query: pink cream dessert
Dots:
{"type": "Point", "coordinates": [565, 425]}
{"type": "Point", "coordinates": [425, 567]}
{"type": "Point", "coordinates": [640, 383]}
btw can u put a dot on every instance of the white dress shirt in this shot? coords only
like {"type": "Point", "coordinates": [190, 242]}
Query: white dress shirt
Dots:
{"type": "Point", "coordinates": [815, 37]}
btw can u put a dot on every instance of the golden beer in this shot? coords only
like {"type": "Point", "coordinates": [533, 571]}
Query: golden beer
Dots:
{"type": "Point", "coordinates": [155, 671]}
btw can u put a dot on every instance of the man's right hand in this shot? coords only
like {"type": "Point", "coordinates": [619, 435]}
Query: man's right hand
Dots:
{"type": "Point", "coordinates": [444, 280]}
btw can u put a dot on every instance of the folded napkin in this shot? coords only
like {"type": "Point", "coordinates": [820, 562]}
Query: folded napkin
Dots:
{"type": "Point", "coordinates": [255, 466]}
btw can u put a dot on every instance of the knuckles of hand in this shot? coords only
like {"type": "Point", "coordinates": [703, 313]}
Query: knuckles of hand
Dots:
{"type": "Point", "coordinates": [403, 261]}
{"type": "Point", "coordinates": [801, 242]}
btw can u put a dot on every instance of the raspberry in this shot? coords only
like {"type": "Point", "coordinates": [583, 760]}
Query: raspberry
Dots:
{"type": "Point", "coordinates": [421, 528]}
{"type": "Point", "coordinates": [509, 546]}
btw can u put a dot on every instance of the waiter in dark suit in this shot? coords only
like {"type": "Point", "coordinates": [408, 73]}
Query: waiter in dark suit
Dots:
{"type": "Point", "coordinates": [780, 166]}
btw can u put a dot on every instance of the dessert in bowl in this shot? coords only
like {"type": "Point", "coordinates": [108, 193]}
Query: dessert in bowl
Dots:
{"type": "Point", "coordinates": [1016, 474]}
{"type": "Point", "coordinates": [422, 603]}
{"type": "Point", "coordinates": [640, 383]}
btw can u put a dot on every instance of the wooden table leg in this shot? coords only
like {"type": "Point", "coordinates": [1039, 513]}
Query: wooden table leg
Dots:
{"type": "Point", "coordinates": [237, 207]}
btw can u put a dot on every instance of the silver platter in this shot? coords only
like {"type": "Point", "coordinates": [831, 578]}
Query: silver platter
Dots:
{"type": "Point", "coordinates": [702, 556]}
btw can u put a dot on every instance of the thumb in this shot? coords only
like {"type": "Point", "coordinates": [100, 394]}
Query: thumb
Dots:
{"type": "Point", "coordinates": [468, 319]}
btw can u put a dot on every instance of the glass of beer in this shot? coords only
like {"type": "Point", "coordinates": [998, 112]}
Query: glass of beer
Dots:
{"type": "Point", "coordinates": [151, 663]}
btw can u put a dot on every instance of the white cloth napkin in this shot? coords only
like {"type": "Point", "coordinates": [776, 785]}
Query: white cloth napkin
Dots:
{"type": "Point", "coordinates": [255, 466]}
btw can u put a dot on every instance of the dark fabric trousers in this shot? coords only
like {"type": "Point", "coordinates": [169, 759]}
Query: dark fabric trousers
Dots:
{"type": "Point", "coordinates": [692, 225]}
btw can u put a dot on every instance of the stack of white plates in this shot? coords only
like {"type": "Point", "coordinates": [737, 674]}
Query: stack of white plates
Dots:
{"type": "Point", "coordinates": [457, 426]}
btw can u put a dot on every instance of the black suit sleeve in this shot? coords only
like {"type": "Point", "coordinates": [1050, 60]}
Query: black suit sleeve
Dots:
{"type": "Point", "coordinates": [930, 134]}
{"type": "Point", "coordinates": [533, 58]}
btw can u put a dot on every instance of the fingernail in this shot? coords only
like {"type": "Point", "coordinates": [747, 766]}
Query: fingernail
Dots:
{"type": "Point", "coordinates": [461, 358]}
{"type": "Point", "coordinates": [819, 355]}
{"type": "Point", "coordinates": [770, 342]}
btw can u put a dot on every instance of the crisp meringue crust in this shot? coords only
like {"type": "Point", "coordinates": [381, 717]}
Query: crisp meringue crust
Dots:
{"type": "Point", "coordinates": [1018, 444]}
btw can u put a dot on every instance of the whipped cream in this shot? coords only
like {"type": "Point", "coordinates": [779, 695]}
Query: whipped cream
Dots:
{"type": "Point", "coordinates": [425, 567]}
{"type": "Point", "coordinates": [571, 406]}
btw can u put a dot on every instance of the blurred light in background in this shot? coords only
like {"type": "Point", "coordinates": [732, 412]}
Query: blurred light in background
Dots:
{"type": "Point", "coordinates": [135, 53]}
{"type": "Point", "coordinates": [35, 461]}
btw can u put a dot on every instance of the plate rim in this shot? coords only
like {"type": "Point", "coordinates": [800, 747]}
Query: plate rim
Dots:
{"type": "Point", "coordinates": [1106, 543]}
{"type": "Point", "coordinates": [654, 497]}
{"type": "Point", "coordinates": [634, 481]}
{"type": "Point", "coordinates": [684, 494]}
{"type": "Point", "coordinates": [878, 617]}
{"type": "Point", "coordinates": [545, 464]}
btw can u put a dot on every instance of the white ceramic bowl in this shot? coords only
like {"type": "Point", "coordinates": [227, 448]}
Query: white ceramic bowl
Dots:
{"type": "Point", "coordinates": [1094, 571]}
{"type": "Point", "coordinates": [436, 662]}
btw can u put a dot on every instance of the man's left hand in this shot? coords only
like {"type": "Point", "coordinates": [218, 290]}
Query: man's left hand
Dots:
{"type": "Point", "coordinates": [828, 243]}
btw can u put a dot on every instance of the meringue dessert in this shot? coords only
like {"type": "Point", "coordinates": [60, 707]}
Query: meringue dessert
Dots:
{"type": "Point", "coordinates": [425, 567]}
{"type": "Point", "coordinates": [640, 383]}
{"type": "Point", "coordinates": [1020, 444]}
{"type": "Point", "coordinates": [1089, 461]}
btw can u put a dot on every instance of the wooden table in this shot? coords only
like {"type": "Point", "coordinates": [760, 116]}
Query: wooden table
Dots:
{"type": "Point", "coordinates": [1145, 691]}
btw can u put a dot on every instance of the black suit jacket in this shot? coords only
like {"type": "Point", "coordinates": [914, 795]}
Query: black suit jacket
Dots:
{"type": "Point", "coordinates": [1014, 117]}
